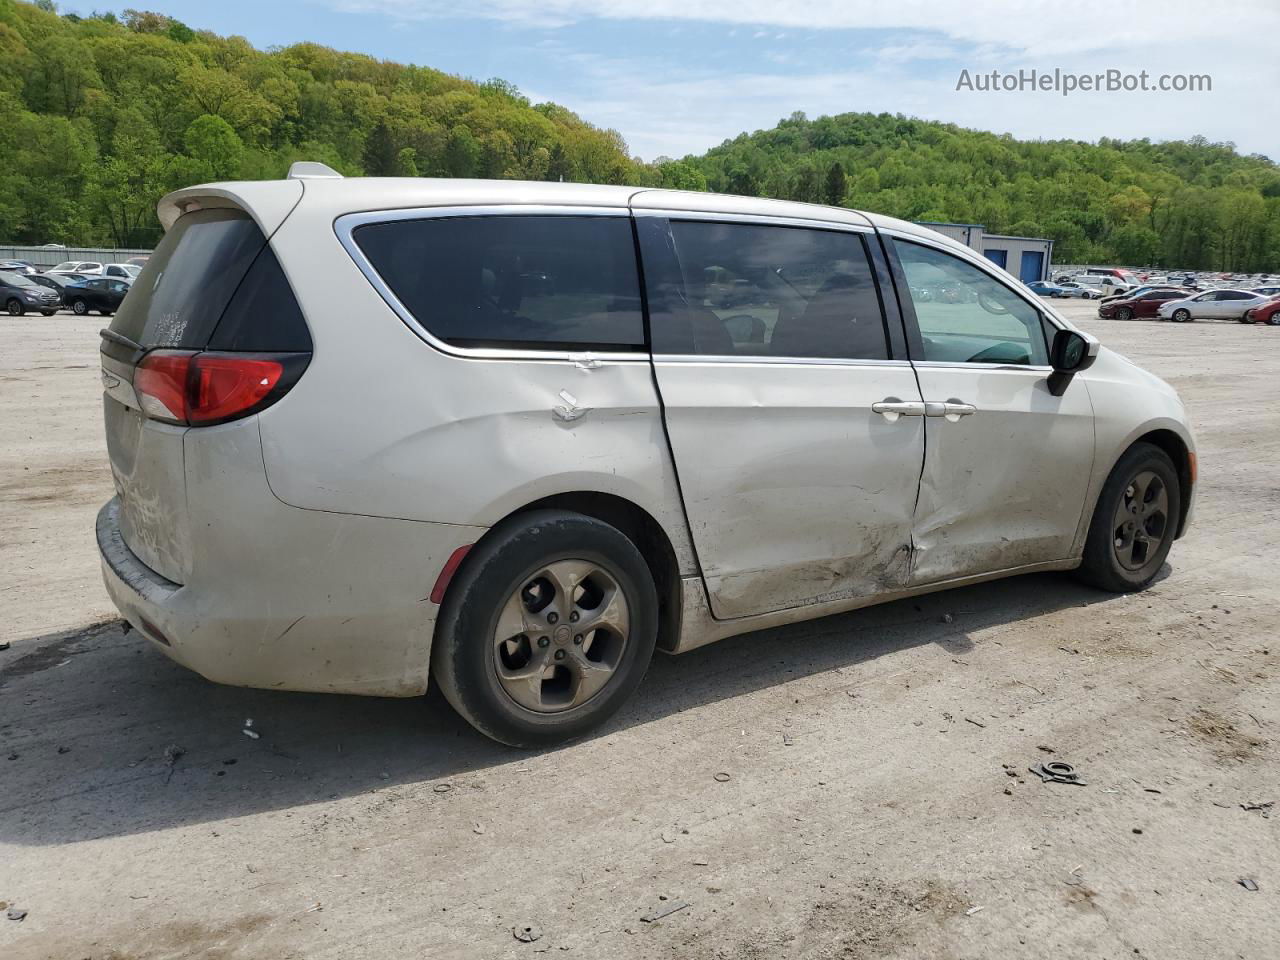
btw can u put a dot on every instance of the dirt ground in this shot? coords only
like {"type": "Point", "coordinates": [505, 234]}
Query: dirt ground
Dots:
{"type": "Point", "coordinates": [877, 804]}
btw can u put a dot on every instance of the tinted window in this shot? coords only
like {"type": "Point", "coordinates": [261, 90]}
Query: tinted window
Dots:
{"type": "Point", "coordinates": [965, 315]}
{"type": "Point", "coordinates": [526, 281]}
{"type": "Point", "coordinates": [184, 288]}
{"type": "Point", "coordinates": [745, 289]}
{"type": "Point", "coordinates": [212, 282]}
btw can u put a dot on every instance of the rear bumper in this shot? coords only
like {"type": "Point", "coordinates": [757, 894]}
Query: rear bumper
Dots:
{"type": "Point", "coordinates": [346, 611]}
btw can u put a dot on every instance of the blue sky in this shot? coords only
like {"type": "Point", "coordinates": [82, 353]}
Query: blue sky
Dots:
{"type": "Point", "coordinates": [679, 76]}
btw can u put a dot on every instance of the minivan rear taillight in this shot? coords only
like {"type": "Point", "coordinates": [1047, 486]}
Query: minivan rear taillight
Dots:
{"type": "Point", "coordinates": [199, 389]}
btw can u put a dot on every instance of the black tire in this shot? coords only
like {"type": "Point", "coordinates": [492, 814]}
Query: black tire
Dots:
{"type": "Point", "coordinates": [463, 658]}
{"type": "Point", "coordinates": [106, 313]}
{"type": "Point", "coordinates": [1181, 315]}
{"type": "Point", "coordinates": [15, 308]}
{"type": "Point", "coordinates": [1124, 313]}
{"type": "Point", "coordinates": [79, 308]}
{"type": "Point", "coordinates": [1103, 566]}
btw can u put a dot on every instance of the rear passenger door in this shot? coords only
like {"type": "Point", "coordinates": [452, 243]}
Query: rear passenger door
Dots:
{"type": "Point", "coordinates": [794, 421]}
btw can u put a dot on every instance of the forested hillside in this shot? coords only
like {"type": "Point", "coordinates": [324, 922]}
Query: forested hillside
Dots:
{"type": "Point", "coordinates": [1192, 204]}
{"type": "Point", "coordinates": [100, 116]}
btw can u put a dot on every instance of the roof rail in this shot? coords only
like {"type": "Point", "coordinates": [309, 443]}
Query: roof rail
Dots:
{"type": "Point", "coordinates": [312, 170]}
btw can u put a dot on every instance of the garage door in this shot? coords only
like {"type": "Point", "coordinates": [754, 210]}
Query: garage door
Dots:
{"type": "Point", "coordinates": [1032, 267]}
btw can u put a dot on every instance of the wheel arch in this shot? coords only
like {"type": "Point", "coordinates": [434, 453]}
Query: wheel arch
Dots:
{"type": "Point", "coordinates": [640, 527]}
{"type": "Point", "coordinates": [1180, 453]}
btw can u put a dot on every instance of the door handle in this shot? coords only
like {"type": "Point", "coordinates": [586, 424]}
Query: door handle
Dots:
{"type": "Point", "coordinates": [952, 409]}
{"type": "Point", "coordinates": [891, 408]}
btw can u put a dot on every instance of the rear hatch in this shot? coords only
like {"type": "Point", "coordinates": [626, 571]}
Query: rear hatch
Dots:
{"type": "Point", "coordinates": [209, 333]}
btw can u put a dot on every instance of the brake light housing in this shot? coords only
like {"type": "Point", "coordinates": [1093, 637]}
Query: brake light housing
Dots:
{"type": "Point", "coordinates": [202, 388]}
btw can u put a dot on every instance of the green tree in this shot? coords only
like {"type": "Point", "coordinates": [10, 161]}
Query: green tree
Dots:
{"type": "Point", "coordinates": [212, 141]}
{"type": "Point", "coordinates": [836, 185]}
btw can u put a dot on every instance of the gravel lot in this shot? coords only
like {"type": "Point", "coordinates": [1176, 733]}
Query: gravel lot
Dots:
{"type": "Point", "coordinates": [878, 802]}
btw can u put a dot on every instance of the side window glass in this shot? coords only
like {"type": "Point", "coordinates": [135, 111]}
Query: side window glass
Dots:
{"type": "Point", "coordinates": [741, 289]}
{"type": "Point", "coordinates": [965, 315]}
{"type": "Point", "coordinates": [532, 282]}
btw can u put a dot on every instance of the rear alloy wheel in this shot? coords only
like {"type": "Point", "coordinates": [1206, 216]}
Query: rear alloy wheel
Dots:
{"type": "Point", "coordinates": [79, 308]}
{"type": "Point", "coordinates": [1134, 521]}
{"type": "Point", "coordinates": [1124, 313]}
{"type": "Point", "coordinates": [15, 308]}
{"type": "Point", "coordinates": [1274, 319]}
{"type": "Point", "coordinates": [547, 629]}
{"type": "Point", "coordinates": [1181, 315]}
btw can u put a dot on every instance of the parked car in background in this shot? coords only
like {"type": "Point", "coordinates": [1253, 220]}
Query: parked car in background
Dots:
{"type": "Point", "coordinates": [103, 294]}
{"type": "Point", "coordinates": [18, 266]}
{"type": "Point", "coordinates": [1139, 306]}
{"type": "Point", "coordinates": [1268, 313]}
{"type": "Point", "coordinates": [19, 293]}
{"type": "Point", "coordinates": [1210, 305]}
{"type": "Point", "coordinates": [1110, 286]}
{"type": "Point", "coordinates": [125, 271]}
{"type": "Point", "coordinates": [1073, 289]}
{"type": "Point", "coordinates": [1267, 291]}
{"type": "Point", "coordinates": [1044, 288]}
{"type": "Point", "coordinates": [57, 281]}
{"type": "Point", "coordinates": [526, 530]}
{"type": "Point", "coordinates": [88, 267]}
{"type": "Point", "coordinates": [1145, 288]}
{"type": "Point", "coordinates": [138, 261]}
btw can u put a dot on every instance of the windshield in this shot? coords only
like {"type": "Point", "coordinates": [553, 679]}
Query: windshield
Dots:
{"type": "Point", "coordinates": [15, 279]}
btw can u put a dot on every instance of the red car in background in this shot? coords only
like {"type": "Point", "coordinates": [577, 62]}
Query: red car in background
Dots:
{"type": "Point", "coordinates": [1267, 313]}
{"type": "Point", "coordinates": [1141, 307]}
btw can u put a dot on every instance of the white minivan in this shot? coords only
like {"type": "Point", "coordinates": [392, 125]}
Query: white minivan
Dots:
{"type": "Point", "coordinates": [517, 436]}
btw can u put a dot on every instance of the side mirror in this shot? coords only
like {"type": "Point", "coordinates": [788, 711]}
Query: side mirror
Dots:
{"type": "Point", "coordinates": [1070, 353]}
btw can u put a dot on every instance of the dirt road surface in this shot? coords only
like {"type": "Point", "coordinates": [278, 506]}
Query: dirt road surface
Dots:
{"type": "Point", "coordinates": [877, 800]}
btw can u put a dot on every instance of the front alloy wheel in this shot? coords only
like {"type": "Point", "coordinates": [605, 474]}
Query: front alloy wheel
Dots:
{"type": "Point", "coordinates": [1134, 521]}
{"type": "Point", "coordinates": [1181, 316]}
{"type": "Point", "coordinates": [1141, 520]}
{"type": "Point", "coordinates": [1124, 313]}
{"type": "Point", "coordinates": [561, 636]}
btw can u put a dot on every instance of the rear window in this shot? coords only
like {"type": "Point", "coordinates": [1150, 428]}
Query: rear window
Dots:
{"type": "Point", "coordinates": [214, 282]}
{"type": "Point", "coordinates": [541, 282]}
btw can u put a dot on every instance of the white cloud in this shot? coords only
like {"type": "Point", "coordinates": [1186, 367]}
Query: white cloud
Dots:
{"type": "Point", "coordinates": [1031, 27]}
{"type": "Point", "coordinates": [910, 68]}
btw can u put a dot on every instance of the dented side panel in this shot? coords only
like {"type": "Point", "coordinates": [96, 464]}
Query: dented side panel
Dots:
{"type": "Point", "coordinates": [796, 492]}
{"type": "Point", "coordinates": [1005, 486]}
{"type": "Point", "coordinates": [447, 437]}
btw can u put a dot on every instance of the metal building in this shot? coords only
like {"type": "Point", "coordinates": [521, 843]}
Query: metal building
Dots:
{"type": "Point", "coordinates": [1027, 258]}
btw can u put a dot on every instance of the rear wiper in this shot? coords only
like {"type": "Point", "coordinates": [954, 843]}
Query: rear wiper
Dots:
{"type": "Point", "coordinates": [120, 338]}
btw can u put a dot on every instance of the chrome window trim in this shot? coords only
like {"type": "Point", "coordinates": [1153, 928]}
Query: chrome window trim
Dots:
{"type": "Point", "coordinates": [345, 225]}
{"type": "Point", "coordinates": [1011, 367]}
{"type": "Point", "coordinates": [748, 360]}
{"type": "Point", "coordinates": [760, 219]}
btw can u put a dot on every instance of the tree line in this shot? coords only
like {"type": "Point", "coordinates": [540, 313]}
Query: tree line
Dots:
{"type": "Point", "coordinates": [100, 116]}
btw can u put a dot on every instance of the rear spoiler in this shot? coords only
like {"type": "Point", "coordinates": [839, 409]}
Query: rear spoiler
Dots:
{"type": "Point", "coordinates": [269, 202]}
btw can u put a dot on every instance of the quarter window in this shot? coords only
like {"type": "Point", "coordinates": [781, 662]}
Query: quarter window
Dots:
{"type": "Point", "coordinates": [525, 281]}
{"type": "Point", "coordinates": [965, 315]}
{"type": "Point", "coordinates": [736, 289]}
